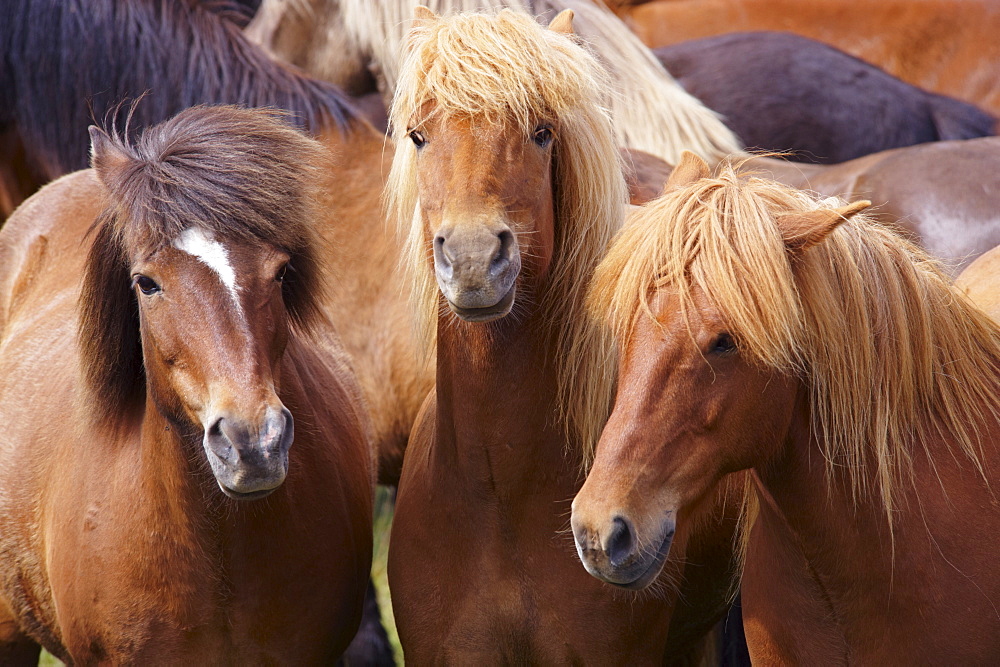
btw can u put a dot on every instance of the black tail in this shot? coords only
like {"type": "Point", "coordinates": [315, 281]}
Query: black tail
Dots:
{"type": "Point", "coordinates": [371, 645]}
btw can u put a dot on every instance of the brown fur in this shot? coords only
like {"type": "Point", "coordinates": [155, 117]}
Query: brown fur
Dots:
{"type": "Point", "coordinates": [118, 545]}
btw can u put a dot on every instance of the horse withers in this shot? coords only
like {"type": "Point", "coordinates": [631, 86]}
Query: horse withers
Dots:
{"type": "Point", "coordinates": [186, 472]}
{"type": "Point", "coordinates": [765, 330]}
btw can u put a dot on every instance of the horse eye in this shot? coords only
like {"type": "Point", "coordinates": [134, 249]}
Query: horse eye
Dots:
{"type": "Point", "coordinates": [418, 139]}
{"type": "Point", "coordinates": [146, 285]}
{"type": "Point", "coordinates": [280, 275]}
{"type": "Point", "coordinates": [542, 136]}
{"type": "Point", "coordinates": [724, 344]}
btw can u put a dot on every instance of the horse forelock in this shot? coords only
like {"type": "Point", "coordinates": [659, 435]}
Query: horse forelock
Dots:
{"type": "Point", "coordinates": [505, 68]}
{"type": "Point", "coordinates": [234, 173]}
{"type": "Point", "coordinates": [651, 110]}
{"type": "Point", "coordinates": [892, 354]}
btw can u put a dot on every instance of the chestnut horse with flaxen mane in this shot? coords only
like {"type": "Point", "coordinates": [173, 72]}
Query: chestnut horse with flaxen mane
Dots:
{"type": "Point", "coordinates": [156, 502]}
{"type": "Point", "coordinates": [506, 176]}
{"type": "Point", "coordinates": [765, 330]}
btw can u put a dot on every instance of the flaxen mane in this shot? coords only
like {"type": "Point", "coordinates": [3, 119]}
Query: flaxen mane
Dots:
{"type": "Point", "coordinates": [892, 353]}
{"type": "Point", "coordinates": [508, 69]}
{"type": "Point", "coordinates": [238, 173]}
{"type": "Point", "coordinates": [651, 110]}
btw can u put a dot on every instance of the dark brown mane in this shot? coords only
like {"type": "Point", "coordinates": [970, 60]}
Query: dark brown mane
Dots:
{"type": "Point", "coordinates": [65, 62]}
{"type": "Point", "coordinates": [237, 173]}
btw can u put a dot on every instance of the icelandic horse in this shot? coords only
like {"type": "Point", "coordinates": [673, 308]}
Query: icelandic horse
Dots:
{"type": "Point", "coordinates": [764, 330]}
{"type": "Point", "coordinates": [507, 179]}
{"type": "Point", "coordinates": [68, 63]}
{"type": "Point", "coordinates": [185, 472]}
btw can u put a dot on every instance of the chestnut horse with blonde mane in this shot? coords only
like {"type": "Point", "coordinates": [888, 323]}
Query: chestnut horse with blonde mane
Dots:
{"type": "Point", "coordinates": [945, 46]}
{"type": "Point", "coordinates": [160, 333]}
{"type": "Point", "coordinates": [507, 179]}
{"type": "Point", "coordinates": [765, 330]}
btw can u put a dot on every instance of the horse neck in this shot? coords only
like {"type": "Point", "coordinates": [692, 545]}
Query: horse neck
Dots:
{"type": "Point", "coordinates": [497, 399]}
{"type": "Point", "coordinates": [843, 544]}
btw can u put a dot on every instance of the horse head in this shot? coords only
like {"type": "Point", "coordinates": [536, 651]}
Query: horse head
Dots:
{"type": "Point", "coordinates": [201, 266]}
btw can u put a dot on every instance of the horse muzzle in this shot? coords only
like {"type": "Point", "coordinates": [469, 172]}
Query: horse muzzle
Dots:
{"type": "Point", "coordinates": [250, 459]}
{"type": "Point", "coordinates": [614, 553]}
{"type": "Point", "coordinates": [477, 269]}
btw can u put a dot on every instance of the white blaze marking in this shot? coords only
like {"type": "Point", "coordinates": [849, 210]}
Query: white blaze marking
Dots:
{"type": "Point", "coordinates": [197, 243]}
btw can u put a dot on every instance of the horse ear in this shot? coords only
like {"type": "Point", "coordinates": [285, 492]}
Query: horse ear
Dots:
{"type": "Point", "coordinates": [422, 15]}
{"type": "Point", "coordinates": [802, 231]}
{"type": "Point", "coordinates": [691, 169]}
{"type": "Point", "coordinates": [563, 22]}
{"type": "Point", "coordinates": [106, 156]}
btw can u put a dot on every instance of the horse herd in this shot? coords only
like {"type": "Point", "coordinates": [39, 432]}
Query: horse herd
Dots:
{"type": "Point", "coordinates": [625, 393]}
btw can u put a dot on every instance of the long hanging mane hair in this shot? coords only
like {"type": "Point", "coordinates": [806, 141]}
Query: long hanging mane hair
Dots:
{"type": "Point", "coordinates": [651, 111]}
{"type": "Point", "coordinates": [893, 355]}
{"type": "Point", "coordinates": [236, 173]}
{"type": "Point", "coordinates": [505, 68]}
{"type": "Point", "coordinates": [64, 63]}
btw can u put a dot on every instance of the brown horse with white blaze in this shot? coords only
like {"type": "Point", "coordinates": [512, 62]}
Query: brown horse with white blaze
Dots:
{"type": "Point", "coordinates": [765, 330]}
{"type": "Point", "coordinates": [507, 179]}
{"type": "Point", "coordinates": [156, 502]}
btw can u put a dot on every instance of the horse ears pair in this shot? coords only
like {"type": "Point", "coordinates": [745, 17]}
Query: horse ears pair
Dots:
{"type": "Point", "coordinates": [801, 229]}
{"type": "Point", "coordinates": [563, 22]}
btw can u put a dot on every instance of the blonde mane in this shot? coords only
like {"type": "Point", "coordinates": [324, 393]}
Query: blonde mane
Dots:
{"type": "Point", "coordinates": [652, 112]}
{"type": "Point", "coordinates": [894, 356]}
{"type": "Point", "coordinates": [505, 68]}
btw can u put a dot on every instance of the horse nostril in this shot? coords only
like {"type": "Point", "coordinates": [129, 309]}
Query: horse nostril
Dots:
{"type": "Point", "coordinates": [218, 441]}
{"type": "Point", "coordinates": [440, 251]}
{"type": "Point", "coordinates": [502, 256]}
{"type": "Point", "coordinates": [620, 542]}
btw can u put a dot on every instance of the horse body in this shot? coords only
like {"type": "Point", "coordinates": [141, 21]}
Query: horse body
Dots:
{"type": "Point", "coordinates": [515, 202]}
{"type": "Point", "coordinates": [848, 375]}
{"type": "Point", "coordinates": [782, 92]}
{"type": "Point", "coordinates": [820, 568]}
{"type": "Point", "coordinates": [117, 543]}
{"type": "Point", "coordinates": [944, 46]}
{"type": "Point", "coordinates": [943, 195]}
{"type": "Point", "coordinates": [978, 281]}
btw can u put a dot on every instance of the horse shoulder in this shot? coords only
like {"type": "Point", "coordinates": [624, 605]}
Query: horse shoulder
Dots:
{"type": "Point", "coordinates": [45, 231]}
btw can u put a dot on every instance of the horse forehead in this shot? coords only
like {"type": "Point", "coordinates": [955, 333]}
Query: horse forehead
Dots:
{"type": "Point", "coordinates": [203, 246]}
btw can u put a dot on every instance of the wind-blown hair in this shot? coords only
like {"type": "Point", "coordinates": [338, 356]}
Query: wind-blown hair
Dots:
{"type": "Point", "coordinates": [892, 354]}
{"type": "Point", "coordinates": [237, 173]}
{"type": "Point", "coordinates": [651, 111]}
{"type": "Point", "coordinates": [505, 68]}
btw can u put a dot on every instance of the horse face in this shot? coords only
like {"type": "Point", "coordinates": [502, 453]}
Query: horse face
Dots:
{"type": "Point", "coordinates": [214, 328]}
{"type": "Point", "coordinates": [485, 193]}
{"type": "Point", "coordinates": [689, 409]}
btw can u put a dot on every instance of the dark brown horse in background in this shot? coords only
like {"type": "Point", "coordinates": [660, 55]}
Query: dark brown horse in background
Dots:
{"type": "Point", "coordinates": [516, 174]}
{"type": "Point", "coordinates": [783, 92]}
{"type": "Point", "coordinates": [156, 502]}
